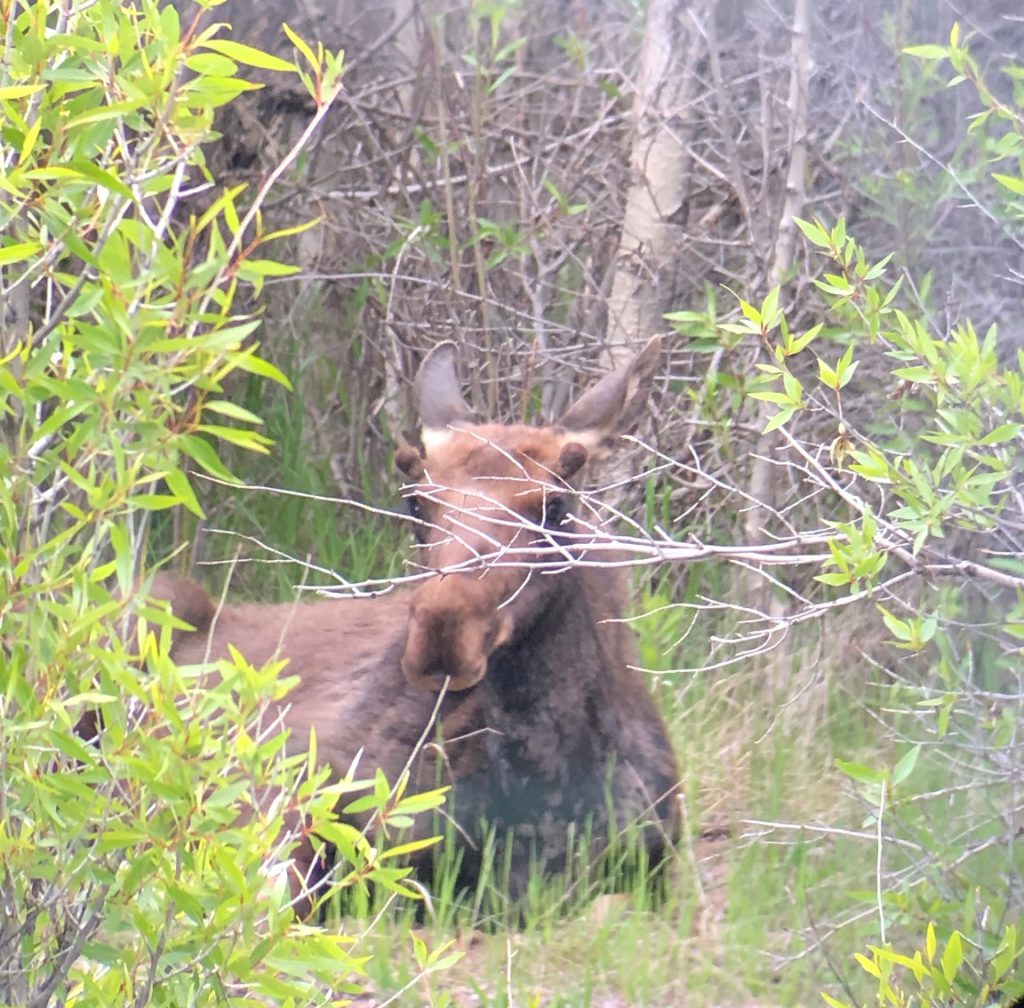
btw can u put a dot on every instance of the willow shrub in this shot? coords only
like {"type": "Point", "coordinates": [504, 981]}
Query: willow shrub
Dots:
{"type": "Point", "coordinates": [141, 869]}
{"type": "Point", "coordinates": [909, 440]}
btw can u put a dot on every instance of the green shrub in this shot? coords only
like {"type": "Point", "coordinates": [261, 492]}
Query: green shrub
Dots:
{"type": "Point", "coordinates": [143, 868]}
{"type": "Point", "coordinates": [910, 442]}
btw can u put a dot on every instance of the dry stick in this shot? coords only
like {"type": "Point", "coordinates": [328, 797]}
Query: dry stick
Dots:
{"type": "Point", "coordinates": [392, 348]}
{"type": "Point", "coordinates": [761, 484]}
{"type": "Point", "coordinates": [878, 867]}
{"type": "Point", "coordinates": [770, 826]}
{"type": "Point", "coordinates": [552, 149]}
{"type": "Point", "coordinates": [436, 39]}
{"type": "Point", "coordinates": [474, 159]}
{"type": "Point", "coordinates": [599, 546]}
{"type": "Point", "coordinates": [948, 169]}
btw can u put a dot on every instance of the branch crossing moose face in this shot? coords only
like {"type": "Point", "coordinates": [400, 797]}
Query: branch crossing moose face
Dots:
{"type": "Point", "coordinates": [492, 505]}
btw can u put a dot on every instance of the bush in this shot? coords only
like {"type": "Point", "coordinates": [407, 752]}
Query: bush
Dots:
{"type": "Point", "coordinates": [138, 869]}
{"type": "Point", "coordinates": [910, 441]}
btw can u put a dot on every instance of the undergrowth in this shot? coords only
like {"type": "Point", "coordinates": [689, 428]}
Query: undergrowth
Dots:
{"type": "Point", "coordinates": [751, 895]}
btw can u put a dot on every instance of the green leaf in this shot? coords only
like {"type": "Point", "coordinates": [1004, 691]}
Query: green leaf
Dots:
{"type": "Point", "coordinates": [19, 91]}
{"type": "Point", "coordinates": [115, 110]}
{"type": "Point", "coordinates": [154, 502]}
{"type": "Point", "coordinates": [779, 420]}
{"type": "Point", "coordinates": [409, 848]}
{"type": "Point", "coordinates": [233, 410]}
{"type": "Point", "coordinates": [381, 788]}
{"type": "Point", "coordinates": [835, 578]}
{"type": "Point", "coordinates": [770, 309]}
{"type": "Point", "coordinates": [100, 176]}
{"type": "Point", "coordinates": [798, 343]}
{"type": "Point", "coordinates": [265, 267]}
{"type": "Point", "coordinates": [793, 388]}
{"type": "Point", "coordinates": [1013, 183]}
{"type": "Point", "coordinates": [867, 964]}
{"type": "Point", "coordinates": [898, 628]}
{"type": "Point", "coordinates": [178, 483]}
{"type": "Point", "coordinates": [363, 804]}
{"type": "Point", "coordinates": [832, 1002]}
{"type": "Point", "coordinates": [19, 251]}
{"type": "Point", "coordinates": [30, 141]}
{"type": "Point", "coordinates": [952, 957]}
{"type": "Point", "coordinates": [288, 232]}
{"type": "Point", "coordinates": [860, 772]}
{"type": "Point", "coordinates": [414, 803]}
{"type": "Point", "coordinates": [814, 233]}
{"type": "Point", "coordinates": [247, 439]}
{"type": "Point", "coordinates": [750, 311]}
{"type": "Point", "coordinates": [300, 44]}
{"type": "Point", "coordinates": [258, 366]}
{"type": "Point", "coordinates": [928, 52]}
{"type": "Point", "coordinates": [1004, 432]}
{"type": "Point", "coordinates": [248, 55]}
{"type": "Point", "coordinates": [905, 765]}
{"type": "Point", "coordinates": [203, 453]}
{"type": "Point", "coordinates": [1005, 956]}
{"type": "Point", "coordinates": [779, 398]}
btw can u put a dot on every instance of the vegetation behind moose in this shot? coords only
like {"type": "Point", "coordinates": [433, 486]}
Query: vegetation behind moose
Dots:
{"type": "Point", "coordinates": [542, 728]}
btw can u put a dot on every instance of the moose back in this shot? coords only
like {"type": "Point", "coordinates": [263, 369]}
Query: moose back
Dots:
{"type": "Point", "coordinates": [544, 730]}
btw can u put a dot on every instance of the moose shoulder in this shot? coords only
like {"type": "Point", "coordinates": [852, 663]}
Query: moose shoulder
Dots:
{"type": "Point", "coordinates": [544, 729]}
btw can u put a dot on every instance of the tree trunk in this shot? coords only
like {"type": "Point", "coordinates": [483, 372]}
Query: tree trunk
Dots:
{"type": "Point", "coordinates": [762, 475]}
{"type": "Point", "coordinates": [659, 165]}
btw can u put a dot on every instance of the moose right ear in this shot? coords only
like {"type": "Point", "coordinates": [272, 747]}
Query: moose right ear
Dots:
{"type": "Point", "coordinates": [438, 399]}
{"type": "Point", "coordinates": [615, 403]}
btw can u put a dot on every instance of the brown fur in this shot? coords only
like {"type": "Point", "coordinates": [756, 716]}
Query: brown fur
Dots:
{"type": "Point", "coordinates": [543, 722]}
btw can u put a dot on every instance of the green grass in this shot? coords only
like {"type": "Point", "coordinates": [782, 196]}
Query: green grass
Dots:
{"type": "Point", "coordinates": [266, 543]}
{"type": "Point", "coordinates": [735, 909]}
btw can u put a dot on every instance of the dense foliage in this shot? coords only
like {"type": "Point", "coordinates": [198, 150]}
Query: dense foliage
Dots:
{"type": "Point", "coordinates": [145, 867]}
{"type": "Point", "coordinates": [908, 441]}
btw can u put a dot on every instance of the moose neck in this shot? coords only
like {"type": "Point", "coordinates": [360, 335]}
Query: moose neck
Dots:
{"type": "Point", "coordinates": [565, 661]}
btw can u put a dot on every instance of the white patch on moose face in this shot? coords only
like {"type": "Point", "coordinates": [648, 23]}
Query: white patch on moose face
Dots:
{"type": "Point", "coordinates": [435, 438]}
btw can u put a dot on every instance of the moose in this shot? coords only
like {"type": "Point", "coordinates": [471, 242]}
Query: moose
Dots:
{"type": "Point", "coordinates": [510, 658]}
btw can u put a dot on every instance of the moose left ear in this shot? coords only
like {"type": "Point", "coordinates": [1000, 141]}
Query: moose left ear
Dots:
{"type": "Point", "coordinates": [614, 404]}
{"type": "Point", "coordinates": [439, 401]}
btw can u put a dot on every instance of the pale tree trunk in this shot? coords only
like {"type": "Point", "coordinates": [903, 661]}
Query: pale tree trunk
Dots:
{"type": "Point", "coordinates": [409, 97]}
{"type": "Point", "coordinates": [762, 482]}
{"type": "Point", "coordinates": [659, 164]}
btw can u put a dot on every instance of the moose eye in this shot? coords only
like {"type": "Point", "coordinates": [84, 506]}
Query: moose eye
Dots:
{"type": "Point", "coordinates": [415, 509]}
{"type": "Point", "coordinates": [554, 512]}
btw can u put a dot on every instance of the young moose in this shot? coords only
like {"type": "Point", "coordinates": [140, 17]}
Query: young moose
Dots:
{"type": "Point", "coordinates": [543, 729]}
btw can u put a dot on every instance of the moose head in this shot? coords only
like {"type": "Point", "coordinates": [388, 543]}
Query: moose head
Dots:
{"type": "Point", "coordinates": [493, 511]}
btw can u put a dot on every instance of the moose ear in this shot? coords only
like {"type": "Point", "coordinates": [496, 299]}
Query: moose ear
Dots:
{"type": "Point", "coordinates": [438, 400]}
{"type": "Point", "coordinates": [614, 404]}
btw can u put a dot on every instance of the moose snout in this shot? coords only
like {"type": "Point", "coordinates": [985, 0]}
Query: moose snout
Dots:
{"type": "Point", "coordinates": [451, 635]}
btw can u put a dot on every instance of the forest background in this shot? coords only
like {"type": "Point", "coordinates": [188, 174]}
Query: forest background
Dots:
{"type": "Point", "coordinates": [820, 207]}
